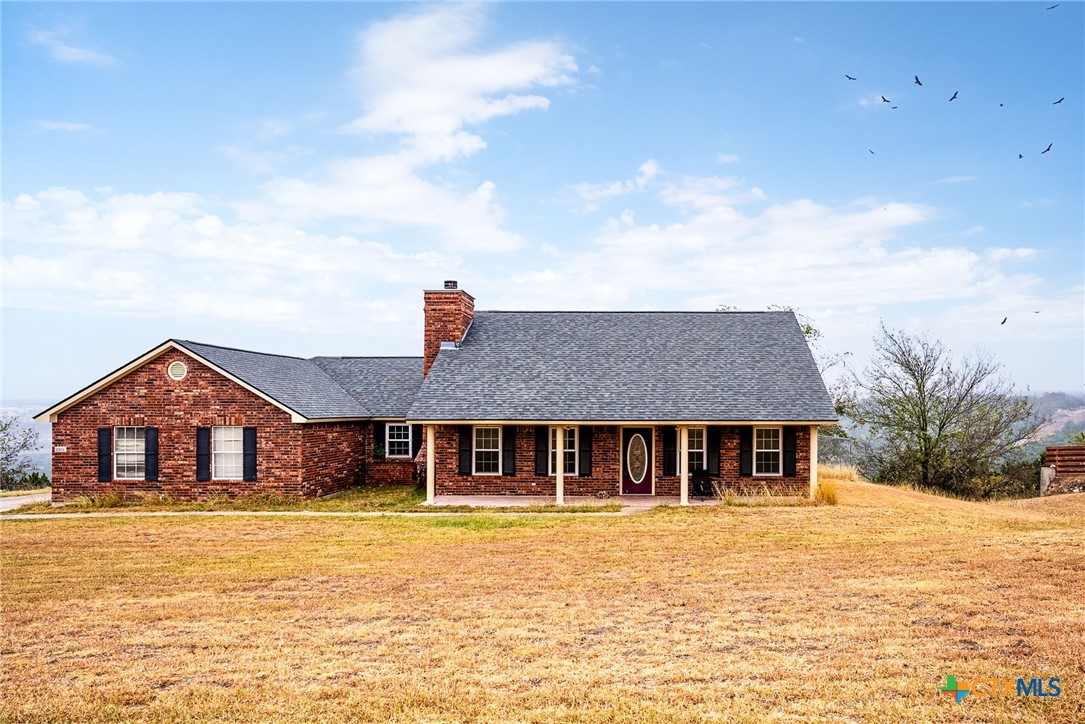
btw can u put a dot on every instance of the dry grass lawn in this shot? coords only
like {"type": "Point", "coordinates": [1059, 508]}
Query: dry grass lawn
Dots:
{"type": "Point", "coordinates": [852, 612]}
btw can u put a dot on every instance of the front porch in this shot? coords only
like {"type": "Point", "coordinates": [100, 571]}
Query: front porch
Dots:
{"type": "Point", "coordinates": [657, 463]}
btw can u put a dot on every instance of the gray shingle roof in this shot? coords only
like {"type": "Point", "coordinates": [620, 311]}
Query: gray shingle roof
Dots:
{"type": "Point", "coordinates": [386, 386]}
{"type": "Point", "coordinates": [627, 366]}
{"type": "Point", "coordinates": [299, 384]}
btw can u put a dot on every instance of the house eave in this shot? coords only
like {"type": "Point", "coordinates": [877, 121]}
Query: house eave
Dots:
{"type": "Point", "coordinates": [626, 423]}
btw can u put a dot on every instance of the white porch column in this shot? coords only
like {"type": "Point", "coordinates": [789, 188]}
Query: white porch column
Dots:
{"type": "Point", "coordinates": [431, 463]}
{"type": "Point", "coordinates": [559, 478]}
{"type": "Point", "coordinates": [813, 460]}
{"type": "Point", "coordinates": [683, 463]}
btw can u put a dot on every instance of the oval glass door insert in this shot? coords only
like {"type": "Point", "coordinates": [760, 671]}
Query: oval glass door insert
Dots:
{"type": "Point", "coordinates": [636, 458]}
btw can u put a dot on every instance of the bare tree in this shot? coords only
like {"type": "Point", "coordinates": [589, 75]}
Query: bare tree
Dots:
{"type": "Point", "coordinates": [15, 442]}
{"type": "Point", "coordinates": [935, 422]}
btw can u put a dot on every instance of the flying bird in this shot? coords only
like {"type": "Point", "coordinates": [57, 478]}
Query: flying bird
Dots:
{"type": "Point", "coordinates": [1020, 156]}
{"type": "Point", "coordinates": [893, 108]}
{"type": "Point", "coordinates": [1004, 319]}
{"type": "Point", "coordinates": [885, 100]}
{"type": "Point", "coordinates": [954, 96]}
{"type": "Point", "coordinates": [848, 77]}
{"type": "Point", "coordinates": [1046, 149]}
{"type": "Point", "coordinates": [917, 81]}
{"type": "Point", "coordinates": [871, 152]}
{"type": "Point", "coordinates": [1059, 101]}
{"type": "Point", "coordinates": [1053, 6]}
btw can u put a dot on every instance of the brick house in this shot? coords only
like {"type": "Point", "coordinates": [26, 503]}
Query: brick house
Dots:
{"type": "Point", "coordinates": [632, 403]}
{"type": "Point", "coordinates": [189, 420]}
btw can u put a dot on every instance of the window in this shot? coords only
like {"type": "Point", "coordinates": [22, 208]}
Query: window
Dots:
{"type": "Point", "coordinates": [227, 453]}
{"type": "Point", "coordinates": [570, 450]}
{"type": "Point", "coordinates": [129, 453]}
{"type": "Point", "coordinates": [487, 451]}
{"type": "Point", "coordinates": [767, 454]}
{"type": "Point", "coordinates": [398, 441]}
{"type": "Point", "coordinates": [696, 449]}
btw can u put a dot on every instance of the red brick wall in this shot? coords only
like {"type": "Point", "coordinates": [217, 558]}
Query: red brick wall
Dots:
{"type": "Point", "coordinates": [388, 471]}
{"type": "Point", "coordinates": [147, 396]}
{"type": "Point", "coordinates": [447, 316]}
{"type": "Point", "coordinates": [332, 456]}
{"type": "Point", "coordinates": [606, 467]}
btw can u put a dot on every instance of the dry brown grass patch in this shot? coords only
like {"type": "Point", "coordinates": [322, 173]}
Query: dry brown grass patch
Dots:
{"type": "Point", "coordinates": [853, 612]}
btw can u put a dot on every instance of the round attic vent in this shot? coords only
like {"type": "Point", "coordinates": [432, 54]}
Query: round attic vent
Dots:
{"type": "Point", "coordinates": [177, 370]}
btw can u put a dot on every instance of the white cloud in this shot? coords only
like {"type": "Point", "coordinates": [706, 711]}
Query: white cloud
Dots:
{"type": "Point", "coordinates": [181, 259]}
{"type": "Point", "coordinates": [55, 43]}
{"type": "Point", "coordinates": [723, 158]}
{"type": "Point", "coordinates": [953, 180]}
{"type": "Point", "coordinates": [419, 78]}
{"type": "Point", "coordinates": [595, 194]}
{"type": "Point", "coordinates": [422, 80]}
{"type": "Point", "coordinates": [65, 127]}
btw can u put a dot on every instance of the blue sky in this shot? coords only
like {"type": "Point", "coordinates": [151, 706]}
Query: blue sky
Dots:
{"type": "Point", "coordinates": [289, 177]}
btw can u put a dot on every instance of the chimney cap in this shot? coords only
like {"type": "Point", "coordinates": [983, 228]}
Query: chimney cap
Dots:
{"type": "Point", "coordinates": [451, 284]}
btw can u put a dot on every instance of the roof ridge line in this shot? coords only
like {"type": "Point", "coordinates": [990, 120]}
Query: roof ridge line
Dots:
{"type": "Point", "coordinates": [360, 356]}
{"type": "Point", "coordinates": [237, 349]}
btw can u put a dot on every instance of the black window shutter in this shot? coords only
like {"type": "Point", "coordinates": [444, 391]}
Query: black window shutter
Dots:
{"type": "Point", "coordinates": [416, 439]}
{"type": "Point", "coordinates": [585, 451]}
{"type": "Point", "coordinates": [712, 439]}
{"type": "Point", "coordinates": [248, 460]}
{"type": "Point", "coordinates": [105, 454]}
{"type": "Point", "coordinates": [670, 450]}
{"type": "Point", "coordinates": [789, 449]}
{"type": "Point", "coordinates": [542, 450]}
{"type": "Point", "coordinates": [745, 451]}
{"type": "Point", "coordinates": [203, 454]}
{"type": "Point", "coordinates": [378, 438]}
{"type": "Point", "coordinates": [150, 453]}
{"type": "Point", "coordinates": [466, 444]}
{"type": "Point", "coordinates": [508, 450]}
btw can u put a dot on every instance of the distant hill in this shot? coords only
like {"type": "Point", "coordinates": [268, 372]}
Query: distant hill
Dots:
{"type": "Point", "coordinates": [1067, 413]}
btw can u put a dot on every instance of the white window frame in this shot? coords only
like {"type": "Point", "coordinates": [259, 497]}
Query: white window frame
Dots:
{"type": "Point", "coordinates": [575, 450]}
{"type": "Point", "coordinates": [215, 453]}
{"type": "Point", "coordinates": [475, 450]}
{"type": "Point", "coordinates": [703, 449]}
{"type": "Point", "coordinates": [388, 439]}
{"type": "Point", "coordinates": [142, 453]}
{"type": "Point", "coordinates": [778, 450]}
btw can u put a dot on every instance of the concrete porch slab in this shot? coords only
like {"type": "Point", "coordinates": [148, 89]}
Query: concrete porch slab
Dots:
{"type": "Point", "coordinates": [517, 501]}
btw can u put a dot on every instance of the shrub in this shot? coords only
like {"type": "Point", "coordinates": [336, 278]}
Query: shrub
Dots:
{"type": "Point", "coordinates": [35, 480]}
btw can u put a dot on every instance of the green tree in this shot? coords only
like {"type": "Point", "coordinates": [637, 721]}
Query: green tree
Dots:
{"type": "Point", "coordinates": [15, 442]}
{"type": "Point", "coordinates": [936, 422]}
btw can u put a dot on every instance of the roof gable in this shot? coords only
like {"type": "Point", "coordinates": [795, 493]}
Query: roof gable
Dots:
{"type": "Point", "coordinates": [627, 366]}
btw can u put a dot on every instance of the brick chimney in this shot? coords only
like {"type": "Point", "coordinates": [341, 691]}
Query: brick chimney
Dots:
{"type": "Point", "coordinates": [448, 313]}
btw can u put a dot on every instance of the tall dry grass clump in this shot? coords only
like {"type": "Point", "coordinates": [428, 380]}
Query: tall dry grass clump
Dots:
{"type": "Point", "coordinates": [838, 471]}
{"type": "Point", "coordinates": [825, 494]}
